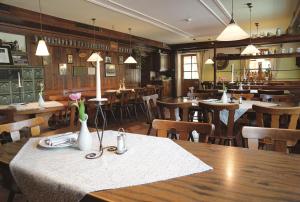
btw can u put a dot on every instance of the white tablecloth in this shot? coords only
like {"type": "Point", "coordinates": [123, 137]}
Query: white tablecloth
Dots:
{"type": "Point", "coordinates": [65, 175]}
{"type": "Point", "coordinates": [243, 108]}
{"type": "Point", "coordinates": [35, 105]}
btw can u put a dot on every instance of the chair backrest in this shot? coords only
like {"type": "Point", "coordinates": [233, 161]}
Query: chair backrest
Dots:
{"type": "Point", "coordinates": [276, 113]}
{"type": "Point", "coordinates": [238, 91]}
{"type": "Point", "coordinates": [58, 98]}
{"type": "Point", "coordinates": [216, 109]}
{"type": "Point", "coordinates": [150, 103]}
{"type": "Point", "coordinates": [184, 106]}
{"type": "Point", "coordinates": [254, 134]}
{"type": "Point", "coordinates": [183, 128]}
{"type": "Point", "coordinates": [270, 92]}
{"type": "Point", "coordinates": [111, 97]}
{"type": "Point", "coordinates": [72, 113]}
{"type": "Point", "coordinates": [277, 98]}
{"type": "Point", "coordinates": [245, 96]}
{"type": "Point", "coordinates": [201, 96]}
{"type": "Point", "coordinates": [125, 96]}
{"type": "Point", "coordinates": [138, 94]}
{"type": "Point", "coordinates": [15, 127]}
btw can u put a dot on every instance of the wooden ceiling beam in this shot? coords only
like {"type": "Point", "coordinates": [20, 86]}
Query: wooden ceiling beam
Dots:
{"type": "Point", "coordinates": [223, 44]}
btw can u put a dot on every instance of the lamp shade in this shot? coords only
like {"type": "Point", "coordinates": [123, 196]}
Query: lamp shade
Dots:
{"type": "Point", "coordinates": [94, 58]}
{"type": "Point", "coordinates": [232, 32]}
{"type": "Point", "coordinates": [42, 49]}
{"type": "Point", "coordinates": [209, 62]}
{"type": "Point", "coordinates": [130, 60]}
{"type": "Point", "coordinates": [250, 50]}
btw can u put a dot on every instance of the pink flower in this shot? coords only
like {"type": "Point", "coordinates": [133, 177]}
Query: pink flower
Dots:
{"type": "Point", "coordinates": [75, 96]}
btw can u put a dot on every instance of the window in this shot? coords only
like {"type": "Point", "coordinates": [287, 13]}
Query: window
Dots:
{"type": "Point", "coordinates": [190, 70]}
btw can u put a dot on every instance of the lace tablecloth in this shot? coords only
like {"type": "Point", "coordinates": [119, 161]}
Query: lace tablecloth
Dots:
{"type": "Point", "coordinates": [65, 175]}
{"type": "Point", "coordinates": [35, 105]}
{"type": "Point", "coordinates": [243, 108]}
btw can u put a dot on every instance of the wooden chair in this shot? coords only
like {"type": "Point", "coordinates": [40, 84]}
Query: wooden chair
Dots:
{"type": "Point", "coordinates": [238, 91]}
{"type": "Point", "coordinates": [276, 113]}
{"type": "Point", "coordinates": [34, 126]}
{"type": "Point", "coordinates": [276, 117]}
{"type": "Point", "coordinates": [124, 105]}
{"type": "Point", "coordinates": [254, 134]}
{"type": "Point", "coordinates": [225, 133]}
{"type": "Point", "coordinates": [277, 98]}
{"type": "Point", "coordinates": [109, 106]}
{"type": "Point", "coordinates": [152, 109]}
{"type": "Point", "coordinates": [270, 92]}
{"type": "Point", "coordinates": [184, 128]}
{"type": "Point", "coordinates": [245, 96]}
{"type": "Point", "coordinates": [184, 107]}
{"type": "Point", "coordinates": [138, 100]}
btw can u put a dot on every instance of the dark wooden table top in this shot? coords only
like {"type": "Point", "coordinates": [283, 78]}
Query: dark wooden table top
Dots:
{"type": "Point", "coordinates": [238, 175]}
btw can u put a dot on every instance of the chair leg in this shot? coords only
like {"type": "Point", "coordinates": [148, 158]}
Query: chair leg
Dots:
{"type": "Point", "coordinates": [149, 129]}
{"type": "Point", "coordinates": [121, 114]}
{"type": "Point", "coordinates": [113, 114]}
{"type": "Point", "coordinates": [11, 196]}
{"type": "Point", "coordinates": [135, 112]}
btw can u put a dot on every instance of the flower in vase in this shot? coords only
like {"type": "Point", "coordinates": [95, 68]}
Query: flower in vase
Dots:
{"type": "Point", "coordinates": [79, 104]}
{"type": "Point", "coordinates": [41, 88]}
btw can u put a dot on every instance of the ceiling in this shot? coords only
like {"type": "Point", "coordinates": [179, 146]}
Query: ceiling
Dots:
{"type": "Point", "coordinates": [168, 21]}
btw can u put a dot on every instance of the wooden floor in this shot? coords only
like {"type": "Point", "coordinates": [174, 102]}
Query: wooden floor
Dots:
{"type": "Point", "coordinates": [132, 126]}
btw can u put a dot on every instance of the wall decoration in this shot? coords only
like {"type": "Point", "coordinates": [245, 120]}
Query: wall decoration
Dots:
{"type": "Point", "coordinates": [46, 60]}
{"type": "Point", "coordinates": [16, 42]}
{"type": "Point", "coordinates": [5, 56]}
{"type": "Point", "coordinates": [80, 70]}
{"type": "Point", "coordinates": [70, 58]}
{"type": "Point", "coordinates": [91, 71]}
{"type": "Point", "coordinates": [62, 69]}
{"type": "Point", "coordinates": [121, 59]}
{"type": "Point", "coordinates": [110, 70]}
{"type": "Point", "coordinates": [107, 59]}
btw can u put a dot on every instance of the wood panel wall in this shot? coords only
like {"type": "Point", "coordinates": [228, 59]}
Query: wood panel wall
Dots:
{"type": "Point", "coordinates": [55, 27]}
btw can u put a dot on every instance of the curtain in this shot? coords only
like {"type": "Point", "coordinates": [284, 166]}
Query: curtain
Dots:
{"type": "Point", "coordinates": [200, 56]}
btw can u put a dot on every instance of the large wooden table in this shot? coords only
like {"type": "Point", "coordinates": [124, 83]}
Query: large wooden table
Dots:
{"type": "Point", "coordinates": [238, 175]}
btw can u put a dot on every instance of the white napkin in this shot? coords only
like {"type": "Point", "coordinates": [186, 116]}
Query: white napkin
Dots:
{"type": "Point", "coordinates": [60, 139]}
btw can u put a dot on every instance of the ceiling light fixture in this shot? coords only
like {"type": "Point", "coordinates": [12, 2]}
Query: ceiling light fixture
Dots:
{"type": "Point", "coordinates": [41, 49]}
{"type": "Point", "coordinates": [209, 61]}
{"type": "Point", "coordinates": [232, 32]}
{"type": "Point", "coordinates": [130, 59]}
{"type": "Point", "coordinates": [94, 57]}
{"type": "Point", "coordinates": [250, 49]}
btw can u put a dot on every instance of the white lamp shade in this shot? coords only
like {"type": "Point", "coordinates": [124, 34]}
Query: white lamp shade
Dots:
{"type": "Point", "coordinates": [232, 32]}
{"type": "Point", "coordinates": [209, 61]}
{"type": "Point", "coordinates": [250, 50]}
{"type": "Point", "coordinates": [130, 60]}
{"type": "Point", "coordinates": [94, 58]}
{"type": "Point", "coordinates": [42, 49]}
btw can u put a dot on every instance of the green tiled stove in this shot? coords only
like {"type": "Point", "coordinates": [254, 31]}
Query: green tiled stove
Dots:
{"type": "Point", "coordinates": [30, 78]}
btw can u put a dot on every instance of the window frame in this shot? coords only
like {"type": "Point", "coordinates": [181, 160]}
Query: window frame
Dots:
{"type": "Point", "coordinates": [191, 64]}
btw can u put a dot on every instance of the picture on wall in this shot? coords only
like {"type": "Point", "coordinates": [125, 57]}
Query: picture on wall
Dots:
{"type": "Point", "coordinates": [121, 59]}
{"type": "Point", "coordinates": [70, 59]}
{"type": "Point", "coordinates": [110, 70]}
{"type": "Point", "coordinates": [107, 59]}
{"type": "Point", "coordinates": [5, 56]}
{"type": "Point", "coordinates": [62, 69]}
{"type": "Point", "coordinates": [16, 42]}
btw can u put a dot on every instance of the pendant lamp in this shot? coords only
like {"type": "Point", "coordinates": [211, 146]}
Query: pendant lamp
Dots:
{"type": "Point", "coordinates": [94, 57]}
{"type": "Point", "coordinates": [130, 59]}
{"type": "Point", "coordinates": [209, 61]}
{"type": "Point", "coordinates": [232, 32]}
{"type": "Point", "coordinates": [41, 49]}
{"type": "Point", "coordinates": [250, 49]}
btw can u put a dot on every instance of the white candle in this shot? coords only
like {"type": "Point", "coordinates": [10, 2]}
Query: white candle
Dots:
{"type": "Point", "coordinates": [232, 73]}
{"type": "Point", "coordinates": [98, 80]}
{"type": "Point", "coordinates": [19, 80]}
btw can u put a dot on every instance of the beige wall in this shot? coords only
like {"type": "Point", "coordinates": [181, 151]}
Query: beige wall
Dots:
{"type": "Point", "coordinates": [282, 68]}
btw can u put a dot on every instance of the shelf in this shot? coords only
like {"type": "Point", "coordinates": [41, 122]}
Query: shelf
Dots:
{"type": "Point", "coordinates": [239, 57]}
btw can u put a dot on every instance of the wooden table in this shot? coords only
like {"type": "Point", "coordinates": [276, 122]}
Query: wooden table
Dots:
{"type": "Point", "coordinates": [238, 175]}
